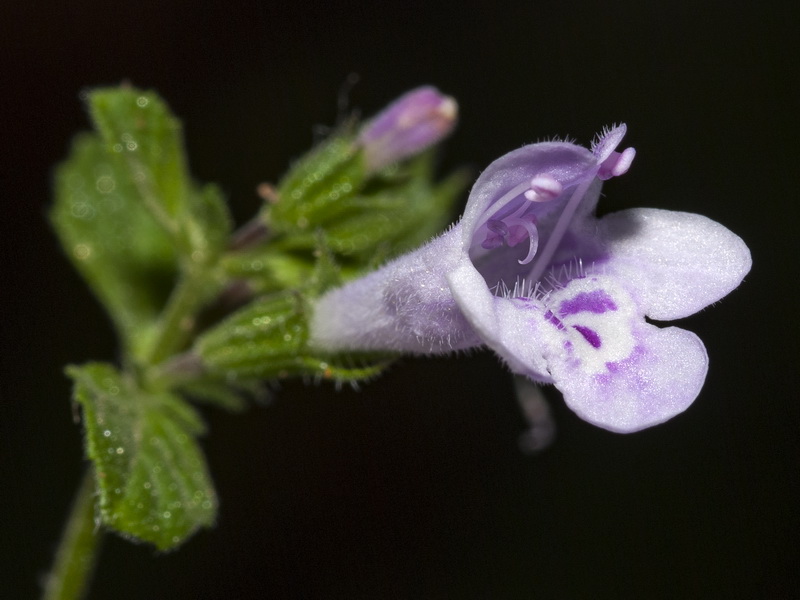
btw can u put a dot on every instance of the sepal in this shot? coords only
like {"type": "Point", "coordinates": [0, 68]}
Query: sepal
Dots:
{"type": "Point", "coordinates": [394, 212]}
{"type": "Point", "coordinates": [268, 339]}
{"type": "Point", "coordinates": [218, 393]}
{"type": "Point", "coordinates": [318, 186]}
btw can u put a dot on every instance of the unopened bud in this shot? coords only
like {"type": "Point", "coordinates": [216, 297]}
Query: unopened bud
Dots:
{"type": "Point", "coordinates": [413, 122]}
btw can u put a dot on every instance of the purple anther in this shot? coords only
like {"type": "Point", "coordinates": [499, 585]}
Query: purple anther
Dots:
{"type": "Point", "coordinates": [498, 232]}
{"type": "Point", "coordinates": [616, 164]}
{"type": "Point", "coordinates": [497, 226]}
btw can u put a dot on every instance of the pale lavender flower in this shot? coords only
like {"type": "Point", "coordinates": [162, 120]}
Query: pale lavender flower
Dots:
{"type": "Point", "coordinates": [560, 295]}
{"type": "Point", "coordinates": [413, 122]}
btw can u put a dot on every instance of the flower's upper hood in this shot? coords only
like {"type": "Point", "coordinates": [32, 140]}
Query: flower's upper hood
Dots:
{"type": "Point", "coordinates": [569, 164]}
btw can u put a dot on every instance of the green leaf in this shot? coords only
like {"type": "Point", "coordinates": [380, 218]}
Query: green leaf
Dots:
{"type": "Point", "coordinates": [152, 477]}
{"type": "Point", "coordinates": [113, 241]}
{"type": "Point", "coordinates": [129, 216]}
{"type": "Point", "coordinates": [210, 224]}
{"type": "Point", "coordinates": [139, 128]}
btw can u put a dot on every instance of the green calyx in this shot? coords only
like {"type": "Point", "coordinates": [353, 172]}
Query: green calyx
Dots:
{"type": "Point", "coordinates": [268, 339]}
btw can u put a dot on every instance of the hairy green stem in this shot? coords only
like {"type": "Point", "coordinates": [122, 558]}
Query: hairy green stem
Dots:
{"type": "Point", "coordinates": [178, 318]}
{"type": "Point", "coordinates": [77, 552]}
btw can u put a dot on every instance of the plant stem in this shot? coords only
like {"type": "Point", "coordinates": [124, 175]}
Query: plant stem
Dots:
{"type": "Point", "coordinates": [77, 552]}
{"type": "Point", "coordinates": [177, 320]}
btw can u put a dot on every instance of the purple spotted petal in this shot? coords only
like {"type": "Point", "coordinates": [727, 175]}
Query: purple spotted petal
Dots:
{"type": "Point", "coordinates": [590, 340]}
{"type": "Point", "coordinates": [614, 369]}
{"type": "Point", "coordinates": [660, 379]}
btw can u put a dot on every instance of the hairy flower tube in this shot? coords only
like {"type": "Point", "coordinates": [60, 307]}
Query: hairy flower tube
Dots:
{"type": "Point", "coordinates": [560, 295]}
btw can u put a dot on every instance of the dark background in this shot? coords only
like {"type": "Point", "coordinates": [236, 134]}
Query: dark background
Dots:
{"type": "Point", "coordinates": [414, 487]}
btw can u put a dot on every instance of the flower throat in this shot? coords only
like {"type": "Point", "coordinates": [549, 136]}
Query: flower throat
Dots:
{"type": "Point", "coordinates": [514, 228]}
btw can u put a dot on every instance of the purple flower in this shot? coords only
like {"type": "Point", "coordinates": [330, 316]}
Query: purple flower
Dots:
{"type": "Point", "coordinates": [416, 120]}
{"type": "Point", "coordinates": [560, 295]}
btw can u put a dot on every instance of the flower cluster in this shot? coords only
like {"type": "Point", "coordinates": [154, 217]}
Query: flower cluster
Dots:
{"type": "Point", "coordinates": [560, 295]}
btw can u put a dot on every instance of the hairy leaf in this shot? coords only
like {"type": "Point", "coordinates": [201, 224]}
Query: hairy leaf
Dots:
{"type": "Point", "coordinates": [139, 127]}
{"type": "Point", "coordinates": [151, 475]}
{"type": "Point", "coordinates": [113, 241]}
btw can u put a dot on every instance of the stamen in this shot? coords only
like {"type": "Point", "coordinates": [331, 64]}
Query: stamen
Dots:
{"type": "Point", "coordinates": [544, 187]}
{"type": "Point", "coordinates": [513, 221]}
{"type": "Point", "coordinates": [616, 164]}
{"type": "Point", "coordinates": [546, 255]}
{"type": "Point", "coordinates": [514, 192]}
{"type": "Point", "coordinates": [498, 234]}
{"type": "Point", "coordinates": [498, 227]}
{"type": "Point", "coordinates": [513, 228]}
{"type": "Point", "coordinates": [533, 236]}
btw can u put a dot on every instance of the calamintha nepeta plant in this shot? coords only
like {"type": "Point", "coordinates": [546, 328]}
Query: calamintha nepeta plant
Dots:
{"type": "Point", "coordinates": [206, 314]}
{"type": "Point", "coordinates": [338, 273]}
{"type": "Point", "coordinates": [560, 295]}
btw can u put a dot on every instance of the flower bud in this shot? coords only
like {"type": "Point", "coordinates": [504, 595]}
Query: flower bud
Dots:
{"type": "Point", "coordinates": [416, 120]}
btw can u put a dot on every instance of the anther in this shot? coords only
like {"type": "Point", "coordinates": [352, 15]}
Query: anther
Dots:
{"type": "Point", "coordinates": [498, 227]}
{"type": "Point", "coordinates": [544, 187]}
{"type": "Point", "coordinates": [616, 164]}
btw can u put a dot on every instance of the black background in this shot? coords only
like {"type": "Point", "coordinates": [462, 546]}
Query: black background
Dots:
{"type": "Point", "coordinates": [414, 487]}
